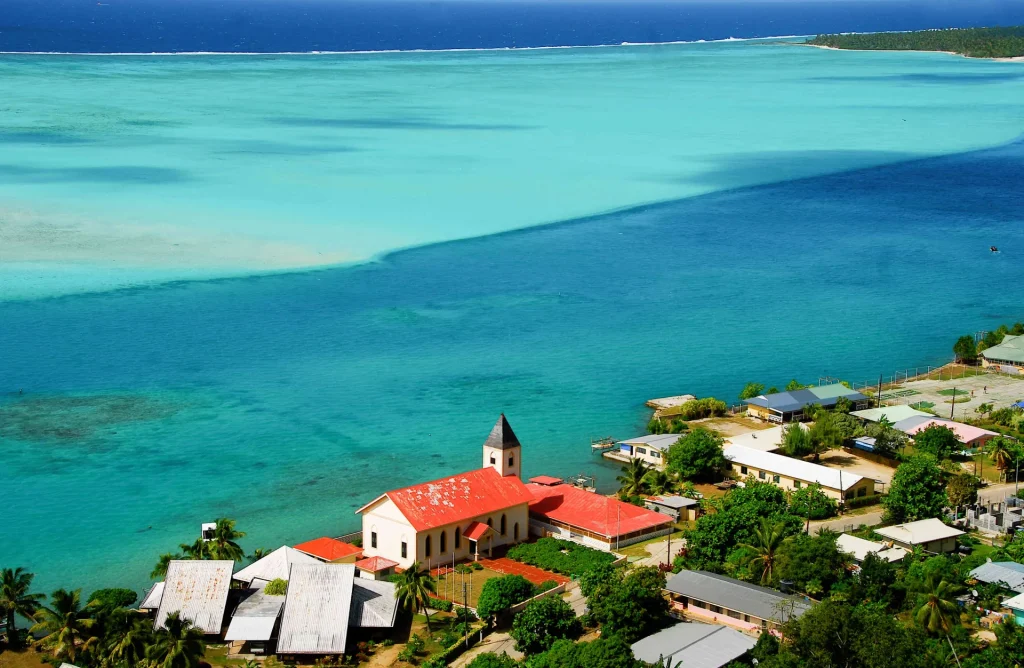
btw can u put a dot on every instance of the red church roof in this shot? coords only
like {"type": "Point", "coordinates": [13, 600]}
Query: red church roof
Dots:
{"type": "Point", "coordinates": [328, 549]}
{"type": "Point", "coordinates": [456, 498]}
{"type": "Point", "coordinates": [592, 512]}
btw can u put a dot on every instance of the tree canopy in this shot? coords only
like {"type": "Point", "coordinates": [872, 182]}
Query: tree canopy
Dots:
{"type": "Point", "coordinates": [938, 441]}
{"type": "Point", "coordinates": [629, 605]}
{"type": "Point", "coordinates": [917, 492]}
{"type": "Point", "coordinates": [542, 622]}
{"type": "Point", "coordinates": [973, 42]}
{"type": "Point", "coordinates": [697, 456]}
{"type": "Point", "coordinates": [499, 594]}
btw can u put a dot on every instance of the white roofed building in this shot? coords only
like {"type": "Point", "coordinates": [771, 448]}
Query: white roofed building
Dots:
{"type": "Point", "coordinates": [198, 591]}
{"type": "Point", "coordinates": [861, 548]}
{"type": "Point", "coordinates": [791, 474]}
{"type": "Point", "coordinates": [317, 608]}
{"type": "Point", "coordinates": [931, 535]}
{"type": "Point", "coordinates": [274, 566]}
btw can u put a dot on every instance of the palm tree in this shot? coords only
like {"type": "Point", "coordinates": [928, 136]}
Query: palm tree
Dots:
{"type": "Point", "coordinates": [128, 635]}
{"type": "Point", "coordinates": [160, 570]}
{"type": "Point", "coordinates": [414, 589]}
{"type": "Point", "coordinates": [658, 482]}
{"type": "Point", "coordinates": [178, 644]}
{"type": "Point", "coordinates": [224, 544]}
{"type": "Point", "coordinates": [938, 611]}
{"type": "Point", "coordinates": [1001, 453]}
{"type": "Point", "coordinates": [17, 599]}
{"type": "Point", "coordinates": [258, 554]}
{"type": "Point", "coordinates": [66, 625]}
{"type": "Point", "coordinates": [632, 477]}
{"type": "Point", "coordinates": [200, 549]}
{"type": "Point", "coordinates": [767, 539]}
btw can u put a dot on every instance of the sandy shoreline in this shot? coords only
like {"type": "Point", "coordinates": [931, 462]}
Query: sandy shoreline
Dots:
{"type": "Point", "coordinates": [1016, 59]}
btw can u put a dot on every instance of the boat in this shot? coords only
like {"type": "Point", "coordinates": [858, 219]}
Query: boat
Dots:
{"type": "Point", "coordinates": [993, 249]}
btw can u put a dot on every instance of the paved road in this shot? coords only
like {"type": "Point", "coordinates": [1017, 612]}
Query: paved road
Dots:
{"type": "Point", "coordinates": [499, 643]}
{"type": "Point", "coordinates": [841, 524]}
{"type": "Point", "coordinates": [659, 552]}
{"type": "Point", "coordinates": [577, 601]}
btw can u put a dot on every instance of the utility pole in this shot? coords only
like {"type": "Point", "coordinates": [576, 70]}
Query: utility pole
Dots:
{"type": "Point", "coordinates": [465, 606]}
{"type": "Point", "coordinates": [952, 403]}
{"type": "Point", "coordinates": [878, 399]}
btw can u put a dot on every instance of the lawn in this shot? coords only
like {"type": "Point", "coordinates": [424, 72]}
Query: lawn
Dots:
{"type": "Point", "coordinates": [640, 549]}
{"type": "Point", "coordinates": [953, 392]}
{"type": "Point", "coordinates": [450, 586]}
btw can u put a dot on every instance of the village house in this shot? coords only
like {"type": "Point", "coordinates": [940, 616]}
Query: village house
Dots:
{"type": "Point", "coordinates": [931, 535]}
{"type": "Point", "coordinates": [563, 511]}
{"type": "Point", "coordinates": [198, 591]}
{"type": "Point", "coordinates": [679, 508]}
{"type": "Point", "coordinates": [859, 549]}
{"type": "Point", "coordinates": [710, 597]}
{"type": "Point", "coordinates": [330, 550]}
{"type": "Point", "coordinates": [650, 449]}
{"type": "Point", "coordinates": [1006, 574]}
{"type": "Point", "coordinates": [782, 407]}
{"type": "Point", "coordinates": [694, 645]}
{"type": "Point", "coordinates": [792, 474]}
{"type": "Point", "coordinates": [457, 517]}
{"type": "Point", "coordinates": [1008, 356]}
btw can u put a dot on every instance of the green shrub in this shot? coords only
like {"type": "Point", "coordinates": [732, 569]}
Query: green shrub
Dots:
{"type": "Point", "coordinates": [499, 594]}
{"type": "Point", "coordinates": [560, 556]}
{"type": "Point", "coordinates": [387, 642]}
{"type": "Point", "coordinates": [546, 586]}
{"type": "Point", "coordinates": [811, 502]}
{"type": "Point", "coordinates": [276, 587]}
{"type": "Point", "coordinates": [477, 566]}
{"type": "Point", "coordinates": [440, 604]}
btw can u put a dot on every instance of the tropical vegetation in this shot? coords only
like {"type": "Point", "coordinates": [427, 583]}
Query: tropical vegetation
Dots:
{"type": "Point", "coordinates": [972, 42]}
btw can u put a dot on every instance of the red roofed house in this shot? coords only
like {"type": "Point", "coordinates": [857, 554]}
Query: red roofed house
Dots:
{"type": "Point", "coordinates": [456, 517]}
{"type": "Point", "coordinates": [330, 550]}
{"type": "Point", "coordinates": [564, 511]}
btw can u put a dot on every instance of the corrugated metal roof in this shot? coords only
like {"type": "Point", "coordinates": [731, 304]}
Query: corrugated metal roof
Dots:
{"type": "Point", "coordinates": [375, 564]}
{"type": "Point", "coordinates": [328, 549]}
{"type": "Point", "coordinates": [694, 645]}
{"type": "Point", "coordinates": [373, 604]}
{"type": "Point", "coordinates": [767, 440]}
{"type": "Point", "coordinates": [792, 468]}
{"type": "Point", "coordinates": [965, 433]}
{"type": "Point", "coordinates": [317, 608]}
{"type": "Point", "coordinates": [1009, 574]}
{"type": "Point", "coordinates": [198, 590]}
{"type": "Point", "coordinates": [592, 512]}
{"type": "Point", "coordinates": [654, 441]}
{"type": "Point", "coordinates": [677, 502]}
{"type": "Point", "coordinates": [274, 566]}
{"type": "Point", "coordinates": [1017, 602]}
{"type": "Point", "coordinates": [736, 595]}
{"type": "Point", "coordinates": [861, 548]}
{"type": "Point", "coordinates": [1010, 350]}
{"type": "Point", "coordinates": [255, 617]}
{"type": "Point", "coordinates": [457, 498]}
{"type": "Point", "coordinates": [891, 413]}
{"type": "Point", "coordinates": [151, 601]}
{"type": "Point", "coordinates": [502, 436]}
{"type": "Point", "coordinates": [794, 400]}
{"type": "Point", "coordinates": [921, 531]}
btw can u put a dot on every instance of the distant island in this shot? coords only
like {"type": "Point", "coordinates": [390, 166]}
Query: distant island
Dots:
{"type": "Point", "coordinates": [970, 42]}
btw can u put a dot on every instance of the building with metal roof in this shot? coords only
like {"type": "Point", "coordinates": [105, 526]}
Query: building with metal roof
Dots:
{"type": "Point", "coordinates": [891, 413]}
{"type": "Point", "coordinates": [151, 601]}
{"type": "Point", "coordinates": [330, 549]}
{"type": "Point", "coordinates": [374, 604]}
{"type": "Point", "coordinates": [274, 566]}
{"type": "Point", "coordinates": [789, 406]}
{"type": "Point", "coordinates": [676, 507]}
{"type": "Point", "coordinates": [255, 618]}
{"type": "Point", "coordinates": [598, 521]}
{"type": "Point", "coordinates": [931, 535]}
{"type": "Point", "coordinates": [317, 609]}
{"type": "Point", "coordinates": [649, 449]}
{"type": "Point", "coordinates": [791, 473]}
{"type": "Point", "coordinates": [967, 434]}
{"type": "Point", "coordinates": [375, 568]}
{"type": "Point", "coordinates": [198, 591]}
{"type": "Point", "coordinates": [860, 548]}
{"type": "Point", "coordinates": [1008, 355]}
{"type": "Point", "coordinates": [716, 598]}
{"type": "Point", "coordinates": [694, 645]}
{"type": "Point", "coordinates": [1006, 574]}
{"type": "Point", "coordinates": [1016, 604]}
{"type": "Point", "coordinates": [428, 522]}
{"type": "Point", "coordinates": [766, 440]}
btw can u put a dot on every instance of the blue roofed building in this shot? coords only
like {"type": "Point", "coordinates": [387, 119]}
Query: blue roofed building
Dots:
{"type": "Point", "coordinates": [782, 407]}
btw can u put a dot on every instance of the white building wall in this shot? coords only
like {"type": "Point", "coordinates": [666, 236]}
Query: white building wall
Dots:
{"type": "Point", "coordinates": [392, 528]}
{"type": "Point", "coordinates": [506, 462]}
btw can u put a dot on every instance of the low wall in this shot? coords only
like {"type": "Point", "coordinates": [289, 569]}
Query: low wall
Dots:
{"type": "Point", "coordinates": [554, 591]}
{"type": "Point", "coordinates": [539, 528]}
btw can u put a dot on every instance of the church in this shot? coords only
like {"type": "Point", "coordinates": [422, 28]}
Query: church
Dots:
{"type": "Point", "coordinates": [457, 517]}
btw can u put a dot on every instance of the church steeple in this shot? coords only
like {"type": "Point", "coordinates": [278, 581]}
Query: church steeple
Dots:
{"type": "Point", "coordinates": [502, 449]}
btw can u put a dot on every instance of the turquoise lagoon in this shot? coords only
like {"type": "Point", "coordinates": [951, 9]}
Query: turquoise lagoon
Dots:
{"type": "Point", "coordinates": [583, 229]}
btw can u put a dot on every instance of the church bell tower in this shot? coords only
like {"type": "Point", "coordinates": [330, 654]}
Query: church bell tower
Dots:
{"type": "Point", "coordinates": [502, 450]}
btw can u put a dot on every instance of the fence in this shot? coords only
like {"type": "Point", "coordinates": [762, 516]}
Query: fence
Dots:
{"type": "Point", "coordinates": [349, 537]}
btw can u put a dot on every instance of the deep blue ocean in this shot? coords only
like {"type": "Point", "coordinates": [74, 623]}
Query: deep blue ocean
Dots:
{"type": "Point", "coordinates": [358, 25]}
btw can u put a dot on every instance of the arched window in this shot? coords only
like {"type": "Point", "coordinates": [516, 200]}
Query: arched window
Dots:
{"type": "Point", "coordinates": [458, 538]}
{"type": "Point", "coordinates": [490, 522]}
{"type": "Point", "coordinates": [502, 525]}
{"type": "Point", "coordinates": [515, 531]}
{"type": "Point", "coordinates": [444, 542]}
{"type": "Point", "coordinates": [426, 547]}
